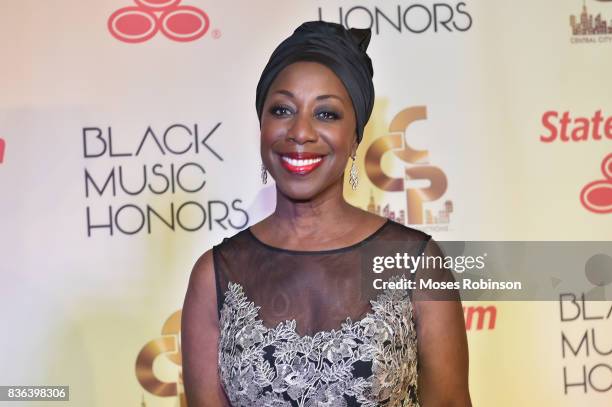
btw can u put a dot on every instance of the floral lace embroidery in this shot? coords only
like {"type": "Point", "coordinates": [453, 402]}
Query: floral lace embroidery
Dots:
{"type": "Point", "coordinates": [261, 366]}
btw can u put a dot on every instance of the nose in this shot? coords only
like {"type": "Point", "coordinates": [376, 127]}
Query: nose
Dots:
{"type": "Point", "coordinates": [302, 130]}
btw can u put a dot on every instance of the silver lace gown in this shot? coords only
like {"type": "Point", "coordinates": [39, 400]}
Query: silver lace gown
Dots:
{"type": "Point", "coordinates": [302, 328]}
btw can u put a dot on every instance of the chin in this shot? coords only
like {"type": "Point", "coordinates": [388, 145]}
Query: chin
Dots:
{"type": "Point", "coordinates": [300, 191]}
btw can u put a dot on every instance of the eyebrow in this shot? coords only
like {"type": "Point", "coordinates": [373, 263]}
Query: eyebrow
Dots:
{"type": "Point", "coordinates": [320, 97]}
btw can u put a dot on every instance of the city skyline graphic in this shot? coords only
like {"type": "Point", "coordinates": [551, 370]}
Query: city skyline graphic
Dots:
{"type": "Point", "coordinates": [589, 24]}
{"type": "Point", "coordinates": [399, 215]}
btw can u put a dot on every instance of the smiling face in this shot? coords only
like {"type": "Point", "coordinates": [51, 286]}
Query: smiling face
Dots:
{"type": "Point", "coordinates": [308, 130]}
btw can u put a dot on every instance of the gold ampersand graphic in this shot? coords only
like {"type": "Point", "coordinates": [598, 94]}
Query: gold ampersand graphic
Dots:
{"type": "Point", "coordinates": [169, 346]}
{"type": "Point", "coordinates": [417, 170]}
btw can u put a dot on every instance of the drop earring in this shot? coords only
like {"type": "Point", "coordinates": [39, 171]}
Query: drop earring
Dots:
{"type": "Point", "coordinates": [353, 180]}
{"type": "Point", "coordinates": [264, 174]}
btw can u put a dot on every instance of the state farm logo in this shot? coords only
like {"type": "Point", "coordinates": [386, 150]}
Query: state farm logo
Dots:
{"type": "Point", "coordinates": [142, 22]}
{"type": "Point", "coordinates": [596, 196]}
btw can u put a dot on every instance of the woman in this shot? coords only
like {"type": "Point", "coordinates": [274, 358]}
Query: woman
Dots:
{"type": "Point", "coordinates": [279, 314]}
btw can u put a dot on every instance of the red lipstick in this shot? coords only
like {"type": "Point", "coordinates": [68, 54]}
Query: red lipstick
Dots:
{"type": "Point", "coordinates": [301, 163]}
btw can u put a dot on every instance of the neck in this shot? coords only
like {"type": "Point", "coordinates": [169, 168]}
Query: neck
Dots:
{"type": "Point", "coordinates": [314, 217]}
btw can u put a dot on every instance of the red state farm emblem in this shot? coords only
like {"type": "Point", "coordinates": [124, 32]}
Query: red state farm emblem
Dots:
{"type": "Point", "coordinates": [596, 196]}
{"type": "Point", "coordinates": [140, 23]}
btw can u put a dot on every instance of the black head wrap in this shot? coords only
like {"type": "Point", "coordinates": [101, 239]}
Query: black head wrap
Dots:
{"type": "Point", "coordinates": [341, 50]}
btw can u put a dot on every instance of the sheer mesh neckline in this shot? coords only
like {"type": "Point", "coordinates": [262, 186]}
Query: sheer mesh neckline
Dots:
{"type": "Point", "coordinates": [327, 251]}
{"type": "Point", "coordinates": [290, 324]}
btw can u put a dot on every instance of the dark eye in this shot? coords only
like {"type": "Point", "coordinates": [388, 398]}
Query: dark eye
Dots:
{"type": "Point", "coordinates": [328, 115]}
{"type": "Point", "coordinates": [280, 110]}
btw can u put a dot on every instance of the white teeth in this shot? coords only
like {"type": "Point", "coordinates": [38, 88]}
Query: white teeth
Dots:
{"type": "Point", "coordinates": [301, 162]}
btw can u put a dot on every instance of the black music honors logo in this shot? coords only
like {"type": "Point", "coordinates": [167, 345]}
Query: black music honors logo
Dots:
{"type": "Point", "coordinates": [128, 196]}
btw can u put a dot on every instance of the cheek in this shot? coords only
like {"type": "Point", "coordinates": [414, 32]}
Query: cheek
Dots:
{"type": "Point", "coordinates": [271, 130]}
{"type": "Point", "coordinates": [265, 141]}
{"type": "Point", "coordinates": [341, 137]}
{"type": "Point", "coordinates": [346, 131]}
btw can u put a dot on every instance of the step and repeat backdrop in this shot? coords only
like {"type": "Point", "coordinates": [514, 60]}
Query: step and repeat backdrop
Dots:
{"type": "Point", "coordinates": [129, 145]}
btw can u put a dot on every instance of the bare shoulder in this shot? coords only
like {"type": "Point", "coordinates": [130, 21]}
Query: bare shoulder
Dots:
{"type": "Point", "coordinates": [203, 271]}
{"type": "Point", "coordinates": [204, 265]}
{"type": "Point", "coordinates": [201, 290]}
{"type": "Point", "coordinates": [200, 337]}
